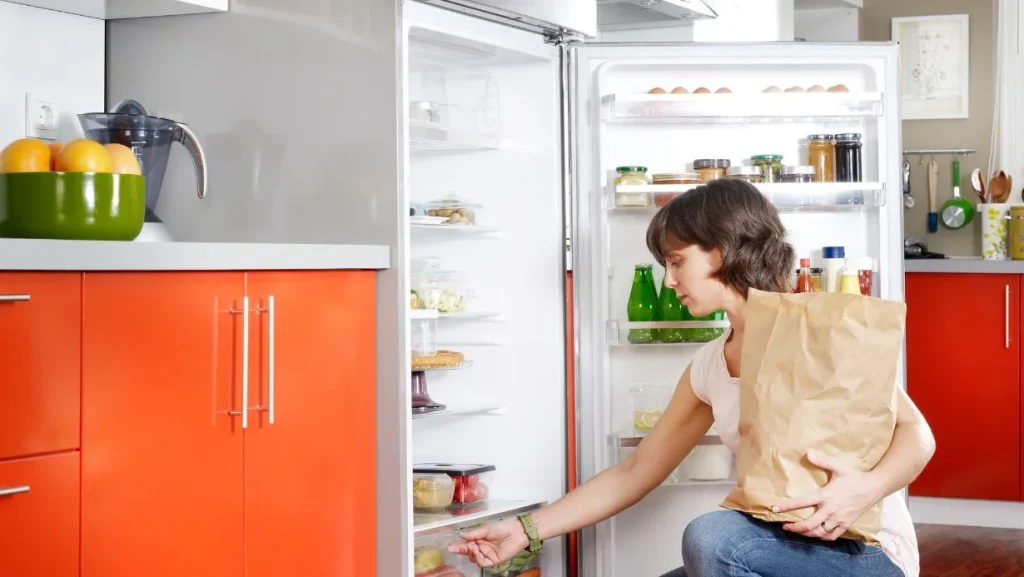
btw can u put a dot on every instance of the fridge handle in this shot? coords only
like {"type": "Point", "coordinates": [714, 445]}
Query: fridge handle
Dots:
{"type": "Point", "coordinates": [270, 356]}
{"type": "Point", "coordinates": [245, 363]}
{"type": "Point", "coordinates": [1006, 317]}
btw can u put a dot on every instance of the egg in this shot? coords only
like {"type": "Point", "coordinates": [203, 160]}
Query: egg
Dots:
{"type": "Point", "coordinates": [656, 90]}
{"type": "Point", "coordinates": [723, 90]}
{"type": "Point", "coordinates": [794, 89]}
{"type": "Point", "coordinates": [772, 89]}
{"type": "Point", "coordinates": [816, 88]}
{"type": "Point", "coordinates": [839, 88]}
{"type": "Point", "coordinates": [702, 90]}
{"type": "Point", "coordinates": [680, 90]}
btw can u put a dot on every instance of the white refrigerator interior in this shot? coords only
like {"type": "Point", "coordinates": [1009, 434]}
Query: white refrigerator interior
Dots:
{"type": "Point", "coordinates": [620, 124]}
{"type": "Point", "coordinates": [484, 126]}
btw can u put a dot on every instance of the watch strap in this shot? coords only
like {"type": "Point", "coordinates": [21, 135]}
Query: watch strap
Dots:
{"type": "Point", "coordinates": [531, 532]}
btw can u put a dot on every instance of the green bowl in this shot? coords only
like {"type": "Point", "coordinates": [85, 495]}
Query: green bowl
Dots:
{"type": "Point", "coordinates": [72, 205]}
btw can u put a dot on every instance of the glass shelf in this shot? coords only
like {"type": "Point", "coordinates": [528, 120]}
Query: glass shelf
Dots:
{"type": "Point", "coordinates": [741, 108]}
{"type": "Point", "coordinates": [630, 440]}
{"type": "Point", "coordinates": [427, 139]}
{"type": "Point", "coordinates": [473, 316]}
{"type": "Point", "coordinates": [453, 231]}
{"type": "Point", "coordinates": [618, 333]}
{"type": "Point", "coordinates": [787, 197]}
{"type": "Point", "coordinates": [466, 410]}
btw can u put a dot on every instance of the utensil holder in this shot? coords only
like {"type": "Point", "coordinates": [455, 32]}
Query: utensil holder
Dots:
{"type": "Point", "coordinates": [993, 230]}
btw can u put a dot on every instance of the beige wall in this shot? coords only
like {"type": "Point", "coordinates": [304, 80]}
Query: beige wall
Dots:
{"type": "Point", "coordinates": [973, 132]}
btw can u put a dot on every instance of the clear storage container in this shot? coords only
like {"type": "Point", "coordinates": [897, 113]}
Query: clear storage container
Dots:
{"type": "Point", "coordinates": [423, 332]}
{"type": "Point", "coordinates": [456, 210]}
{"type": "Point", "coordinates": [432, 559]}
{"type": "Point", "coordinates": [649, 403]}
{"type": "Point", "coordinates": [454, 293]}
{"type": "Point", "coordinates": [426, 289]}
{"type": "Point", "coordinates": [432, 492]}
{"type": "Point", "coordinates": [472, 481]}
{"type": "Point", "coordinates": [709, 462]}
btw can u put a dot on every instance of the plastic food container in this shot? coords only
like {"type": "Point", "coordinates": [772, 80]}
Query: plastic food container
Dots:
{"type": "Point", "coordinates": [711, 168]}
{"type": "Point", "coordinates": [631, 176]}
{"type": "Point", "coordinates": [649, 403]}
{"type": "Point", "coordinates": [453, 292]}
{"type": "Point", "coordinates": [457, 211]}
{"type": "Point", "coordinates": [426, 289]}
{"type": "Point", "coordinates": [663, 198]}
{"type": "Point", "coordinates": [751, 174]}
{"type": "Point", "coordinates": [471, 481]}
{"type": "Point", "coordinates": [771, 166]}
{"type": "Point", "coordinates": [709, 462]}
{"type": "Point", "coordinates": [432, 559]}
{"type": "Point", "coordinates": [432, 492]}
{"type": "Point", "coordinates": [423, 329]}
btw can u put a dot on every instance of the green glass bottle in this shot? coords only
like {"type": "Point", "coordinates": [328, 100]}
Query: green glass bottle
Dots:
{"type": "Point", "coordinates": [642, 305]}
{"type": "Point", "coordinates": [702, 335]}
{"type": "Point", "coordinates": [669, 309]}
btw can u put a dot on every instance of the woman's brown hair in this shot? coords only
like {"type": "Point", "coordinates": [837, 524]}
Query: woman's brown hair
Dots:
{"type": "Point", "coordinates": [735, 218]}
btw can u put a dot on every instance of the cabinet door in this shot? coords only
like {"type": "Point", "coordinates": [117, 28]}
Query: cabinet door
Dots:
{"type": "Point", "coordinates": [39, 516]}
{"type": "Point", "coordinates": [310, 489]}
{"type": "Point", "coordinates": [963, 371]}
{"type": "Point", "coordinates": [40, 362]}
{"type": "Point", "coordinates": [161, 453]}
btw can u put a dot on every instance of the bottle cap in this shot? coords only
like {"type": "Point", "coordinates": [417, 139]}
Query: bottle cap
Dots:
{"type": "Point", "coordinates": [805, 263]}
{"type": "Point", "coordinates": [833, 252]}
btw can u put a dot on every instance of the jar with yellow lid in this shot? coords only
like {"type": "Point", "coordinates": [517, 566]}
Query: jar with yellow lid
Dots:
{"type": "Point", "coordinates": [1015, 236]}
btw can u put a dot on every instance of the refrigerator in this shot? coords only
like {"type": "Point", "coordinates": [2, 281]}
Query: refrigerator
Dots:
{"type": "Point", "coordinates": [523, 130]}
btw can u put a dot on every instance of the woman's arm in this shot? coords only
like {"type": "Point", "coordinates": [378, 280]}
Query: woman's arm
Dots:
{"type": "Point", "coordinates": [677, 431]}
{"type": "Point", "coordinates": [912, 447]}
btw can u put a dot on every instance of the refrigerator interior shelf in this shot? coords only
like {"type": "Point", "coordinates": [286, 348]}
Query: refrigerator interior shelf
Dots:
{"type": "Point", "coordinates": [490, 510]}
{"type": "Point", "coordinates": [473, 316]}
{"type": "Point", "coordinates": [463, 366]}
{"type": "Point", "coordinates": [425, 138]}
{"type": "Point", "coordinates": [442, 231]}
{"type": "Point", "coordinates": [629, 440]}
{"type": "Point", "coordinates": [647, 334]}
{"type": "Point", "coordinates": [689, 483]}
{"type": "Point", "coordinates": [771, 107]}
{"type": "Point", "coordinates": [787, 197]}
{"type": "Point", "coordinates": [467, 409]}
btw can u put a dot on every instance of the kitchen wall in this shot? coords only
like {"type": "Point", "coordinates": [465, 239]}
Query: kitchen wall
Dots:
{"type": "Point", "coordinates": [54, 55]}
{"type": "Point", "coordinates": [827, 25]}
{"type": "Point", "coordinates": [973, 132]}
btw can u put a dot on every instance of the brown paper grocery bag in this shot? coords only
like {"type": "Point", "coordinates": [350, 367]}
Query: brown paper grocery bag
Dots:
{"type": "Point", "coordinates": [818, 372]}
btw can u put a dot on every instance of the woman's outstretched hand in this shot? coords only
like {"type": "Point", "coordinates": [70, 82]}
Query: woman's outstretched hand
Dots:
{"type": "Point", "coordinates": [492, 544]}
{"type": "Point", "coordinates": [847, 496]}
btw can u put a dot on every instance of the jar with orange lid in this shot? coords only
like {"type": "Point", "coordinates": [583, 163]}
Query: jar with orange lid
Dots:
{"type": "Point", "coordinates": [676, 178]}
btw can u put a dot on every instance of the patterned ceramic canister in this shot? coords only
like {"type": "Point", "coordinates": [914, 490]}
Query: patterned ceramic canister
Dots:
{"type": "Point", "coordinates": [993, 230]}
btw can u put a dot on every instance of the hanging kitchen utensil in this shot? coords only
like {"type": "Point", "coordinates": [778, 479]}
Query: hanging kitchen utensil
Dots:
{"type": "Point", "coordinates": [908, 199]}
{"type": "Point", "coordinates": [957, 211]}
{"type": "Point", "coordinates": [933, 198]}
{"type": "Point", "coordinates": [998, 188]}
{"type": "Point", "coordinates": [978, 184]}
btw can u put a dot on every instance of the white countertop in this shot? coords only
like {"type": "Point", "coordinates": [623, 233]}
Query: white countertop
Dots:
{"type": "Point", "coordinates": [47, 255]}
{"type": "Point", "coordinates": [962, 265]}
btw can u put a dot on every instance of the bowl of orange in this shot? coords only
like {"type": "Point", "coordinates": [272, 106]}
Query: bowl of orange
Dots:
{"type": "Point", "coordinates": [81, 190]}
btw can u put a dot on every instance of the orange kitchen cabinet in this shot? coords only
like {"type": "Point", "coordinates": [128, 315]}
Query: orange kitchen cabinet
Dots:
{"type": "Point", "coordinates": [161, 451]}
{"type": "Point", "coordinates": [310, 482]}
{"type": "Point", "coordinates": [963, 371]}
{"type": "Point", "coordinates": [39, 516]}
{"type": "Point", "coordinates": [40, 357]}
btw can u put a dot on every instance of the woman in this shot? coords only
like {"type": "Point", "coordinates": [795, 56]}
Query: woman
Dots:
{"type": "Point", "coordinates": [717, 242]}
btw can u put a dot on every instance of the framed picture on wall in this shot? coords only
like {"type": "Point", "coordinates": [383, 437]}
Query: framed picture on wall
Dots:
{"type": "Point", "coordinates": [934, 66]}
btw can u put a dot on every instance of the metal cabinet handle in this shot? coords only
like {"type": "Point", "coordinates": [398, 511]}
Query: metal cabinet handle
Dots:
{"type": "Point", "coordinates": [270, 359]}
{"type": "Point", "coordinates": [245, 363]}
{"type": "Point", "coordinates": [9, 491]}
{"type": "Point", "coordinates": [15, 298]}
{"type": "Point", "coordinates": [1006, 317]}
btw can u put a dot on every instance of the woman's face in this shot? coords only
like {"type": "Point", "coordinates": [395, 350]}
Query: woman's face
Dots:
{"type": "Point", "coordinates": [688, 272]}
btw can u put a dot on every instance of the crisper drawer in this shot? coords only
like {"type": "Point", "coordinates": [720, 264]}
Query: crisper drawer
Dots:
{"type": "Point", "coordinates": [39, 531]}
{"type": "Point", "coordinates": [40, 362]}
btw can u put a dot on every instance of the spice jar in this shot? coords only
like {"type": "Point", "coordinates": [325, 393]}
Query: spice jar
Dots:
{"type": "Point", "coordinates": [751, 174]}
{"type": "Point", "coordinates": [711, 168]}
{"type": "Point", "coordinates": [771, 166]}
{"type": "Point", "coordinates": [631, 176]}
{"type": "Point", "coordinates": [849, 162]}
{"type": "Point", "coordinates": [1016, 232]}
{"type": "Point", "coordinates": [821, 154]}
{"type": "Point", "coordinates": [663, 198]}
{"type": "Point", "coordinates": [797, 174]}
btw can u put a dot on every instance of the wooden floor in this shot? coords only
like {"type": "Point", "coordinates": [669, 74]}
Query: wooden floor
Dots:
{"type": "Point", "coordinates": [954, 551]}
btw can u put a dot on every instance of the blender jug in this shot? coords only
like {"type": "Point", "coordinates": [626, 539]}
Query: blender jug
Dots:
{"type": "Point", "coordinates": [149, 138]}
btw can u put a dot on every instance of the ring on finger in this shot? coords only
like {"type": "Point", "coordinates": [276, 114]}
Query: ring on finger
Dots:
{"type": "Point", "coordinates": [827, 528]}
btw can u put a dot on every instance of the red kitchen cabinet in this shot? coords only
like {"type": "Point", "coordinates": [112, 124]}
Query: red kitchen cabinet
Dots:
{"type": "Point", "coordinates": [39, 528]}
{"type": "Point", "coordinates": [310, 476]}
{"type": "Point", "coordinates": [963, 371]}
{"type": "Point", "coordinates": [40, 358]}
{"type": "Point", "coordinates": [161, 451]}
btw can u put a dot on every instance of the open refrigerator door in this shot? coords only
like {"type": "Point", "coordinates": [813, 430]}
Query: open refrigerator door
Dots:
{"type": "Point", "coordinates": [646, 110]}
{"type": "Point", "coordinates": [485, 271]}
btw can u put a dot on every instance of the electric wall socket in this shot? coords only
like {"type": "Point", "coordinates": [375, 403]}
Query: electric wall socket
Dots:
{"type": "Point", "coordinates": [42, 117]}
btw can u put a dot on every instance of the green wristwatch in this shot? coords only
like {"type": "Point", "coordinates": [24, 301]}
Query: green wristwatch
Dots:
{"type": "Point", "coordinates": [531, 533]}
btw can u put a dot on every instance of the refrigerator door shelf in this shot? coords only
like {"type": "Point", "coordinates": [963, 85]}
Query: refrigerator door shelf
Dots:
{"type": "Point", "coordinates": [646, 334]}
{"type": "Point", "coordinates": [719, 108]}
{"type": "Point", "coordinates": [787, 197]}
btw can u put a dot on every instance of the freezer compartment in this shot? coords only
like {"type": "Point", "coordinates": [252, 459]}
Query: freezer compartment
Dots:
{"type": "Point", "coordinates": [774, 107]}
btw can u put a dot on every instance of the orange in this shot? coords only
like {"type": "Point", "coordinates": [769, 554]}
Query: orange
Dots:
{"type": "Point", "coordinates": [123, 161]}
{"type": "Point", "coordinates": [83, 155]}
{"type": "Point", "coordinates": [25, 155]}
{"type": "Point", "coordinates": [55, 148]}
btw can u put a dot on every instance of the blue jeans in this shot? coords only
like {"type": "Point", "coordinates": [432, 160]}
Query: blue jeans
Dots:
{"type": "Point", "coordinates": [732, 544]}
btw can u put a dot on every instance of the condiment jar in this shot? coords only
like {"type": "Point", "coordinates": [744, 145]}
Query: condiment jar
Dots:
{"type": "Point", "coordinates": [711, 168]}
{"type": "Point", "coordinates": [678, 178]}
{"type": "Point", "coordinates": [815, 273]}
{"type": "Point", "coordinates": [631, 176]}
{"type": "Point", "coordinates": [850, 283]}
{"type": "Point", "coordinates": [821, 154]}
{"type": "Point", "coordinates": [771, 166]}
{"type": "Point", "coordinates": [849, 162]}
{"type": "Point", "coordinates": [801, 173]}
{"type": "Point", "coordinates": [1015, 236]}
{"type": "Point", "coordinates": [751, 174]}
